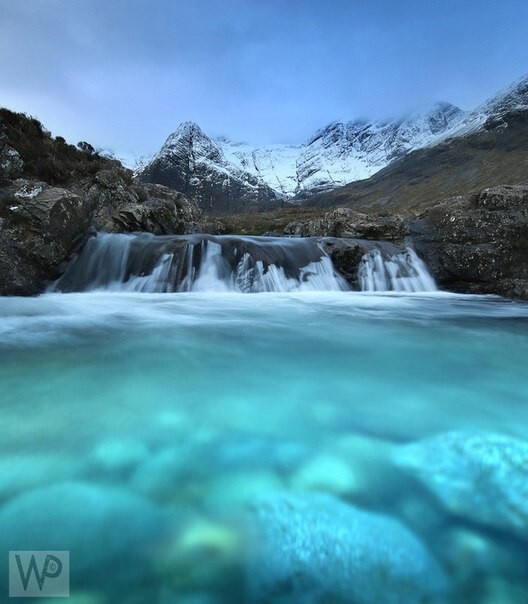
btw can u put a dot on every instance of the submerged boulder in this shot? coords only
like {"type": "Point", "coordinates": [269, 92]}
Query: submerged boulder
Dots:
{"type": "Point", "coordinates": [314, 548]}
{"type": "Point", "coordinates": [109, 532]}
{"type": "Point", "coordinates": [480, 476]}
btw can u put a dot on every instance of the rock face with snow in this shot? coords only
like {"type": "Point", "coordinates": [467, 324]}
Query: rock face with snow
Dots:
{"type": "Point", "coordinates": [486, 149]}
{"type": "Point", "coordinates": [226, 176]}
{"type": "Point", "coordinates": [192, 163]}
{"type": "Point", "coordinates": [492, 113]}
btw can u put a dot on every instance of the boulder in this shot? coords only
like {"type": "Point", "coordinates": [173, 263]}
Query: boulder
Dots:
{"type": "Point", "coordinates": [314, 548]}
{"type": "Point", "coordinates": [109, 532]}
{"type": "Point", "coordinates": [11, 164]}
{"type": "Point", "coordinates": [123, 205]}
{"type": "Point", "coordinates": [345, 222]}
{"type": "Point", "coordinates": [477, 244]}
{"type": "Point", "coordinates": [40, 227]}
{"type": "Point", "coordinates": [164, 212]}
{"type": "Point", "coordinates": [482, 477]}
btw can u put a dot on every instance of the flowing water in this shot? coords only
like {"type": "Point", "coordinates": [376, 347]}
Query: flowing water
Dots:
{"type": "Point", "coordinates": [152, 435]}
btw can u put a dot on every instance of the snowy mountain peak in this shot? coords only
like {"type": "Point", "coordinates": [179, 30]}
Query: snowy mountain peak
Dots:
{"type": "Point", "coordinates": [339, 153]}
{"type": "Point", "coordinates": [191, 141]}
{"type": "Point", "coordinates": [189, 129]}
{"type": "Point", "coordinates": [335, 155]}
{"type": "Point", "coordinates": [188, 132]}
{"type": "Point", "coordinates": [511, 98]}
{"type": "Point", "coordinates": [491, 112]}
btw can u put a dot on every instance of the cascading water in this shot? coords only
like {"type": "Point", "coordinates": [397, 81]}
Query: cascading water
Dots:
{"type": "Point", "coordinates": [148, 263]}
{"type": "Point", "coordinates": [200, 263]}
{"type": "Point", "coordinates": [402, 272]}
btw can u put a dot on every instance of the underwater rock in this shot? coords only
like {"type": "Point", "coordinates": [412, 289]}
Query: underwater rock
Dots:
{"type": "Point", "coordinates": [161, 474]}
{"type": "Point", "coordinates": [169, 596]}
{"type": "Point", "coordinates": [479, 476]}
{"type": "Point", "coordinates": [108, 531]}
{"type": "Point", "coordinates": [116, 456]}
{"type": "Point", "coordinates": [242, 450]}
{"type": "Point", "coordinates": [314, 548]}
{"type": "Point", "coordinates": [80, 598]}
{"type": "Point", "coordinates": [326, 473]}
{"type": "Point", "coordinates": [22, 472]}
{"type": "Point", "coordinates": [501, 591]}
{"type": "Point", "coordinates": [204, 554]}
{"type": "Point", "coordinates": [229, 493]}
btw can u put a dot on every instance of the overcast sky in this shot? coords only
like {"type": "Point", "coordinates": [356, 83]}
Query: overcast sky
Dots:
{"type": "Point", "coordinates": [123, 74]}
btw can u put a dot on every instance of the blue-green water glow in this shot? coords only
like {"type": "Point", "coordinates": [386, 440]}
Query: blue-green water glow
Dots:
{"type": "Point", "coordinates": [200, 402]}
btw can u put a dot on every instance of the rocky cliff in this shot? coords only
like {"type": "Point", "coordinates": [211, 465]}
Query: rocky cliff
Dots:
{"type": "Point", "coordinates": [52, 195]}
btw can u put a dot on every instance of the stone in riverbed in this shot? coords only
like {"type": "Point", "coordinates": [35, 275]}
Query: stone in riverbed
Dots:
{"type": "Point", "coordinates": [326, 473]}
{"type": "Point", "coordinates": [117, 456]}
{"type": "Point", "coordinates": [22, 472]}
{"type": "Point", "coordinates": [204, 555]}
{"type": "Point", "coordinates": [109, 532]}
{"type": "Point", "coordinates": [228, 493]}
{"type": "Point", "coordinates": [314, 548]}
{"type": "Point", "coordinates": [479, 476]}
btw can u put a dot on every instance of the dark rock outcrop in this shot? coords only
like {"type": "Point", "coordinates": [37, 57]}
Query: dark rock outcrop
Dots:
{"type": "Point", "coordinates": [41, 226]}
{"type": "Point", "coordinates": [345, 222]}
{"type": "Point", "coordinates": [477, 243]}
{"type": "Point", "coordinates": [53, 194]}
{"type": "Point", "coordinates": [11, 164]}
{"type": "Point", "coordinates": [124, 205]}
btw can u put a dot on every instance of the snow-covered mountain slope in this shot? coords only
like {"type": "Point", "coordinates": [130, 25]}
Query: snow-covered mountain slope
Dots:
{"type": "Point", "coordinates": [192, 163]}
{"type": "Point", "coordinates": [488, 149]}
{"type": "Point", "coordinates": [490, 113]}
{"type": "Point", "coordinates": [340, 153]}
{"type": "Point", "coordinates": [228, 176]}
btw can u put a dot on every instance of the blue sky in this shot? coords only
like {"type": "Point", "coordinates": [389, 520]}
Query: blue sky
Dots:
{"type": "Point", "coordinates": [124, 73]}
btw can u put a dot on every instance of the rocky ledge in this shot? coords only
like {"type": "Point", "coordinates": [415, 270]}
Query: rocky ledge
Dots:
{"type": "Point", "coordinates": [471, 244]}
{"type": "Point", "coordinates": [41, 225]}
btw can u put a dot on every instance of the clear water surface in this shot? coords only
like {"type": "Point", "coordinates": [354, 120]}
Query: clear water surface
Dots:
{"type": "Point", "coordinates": [194, 405]}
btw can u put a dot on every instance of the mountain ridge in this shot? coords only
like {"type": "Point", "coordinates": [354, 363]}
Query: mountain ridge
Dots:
{"type": "Point", "coordinates": [206, 168]}
{"type": "Point", "coordinates": [226, 176]}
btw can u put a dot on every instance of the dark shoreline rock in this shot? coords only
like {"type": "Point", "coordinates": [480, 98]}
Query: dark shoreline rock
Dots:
{"type": "Point", "coordinates": [479, 243]}
{"type": "Point", "coordinates": [42, 226]}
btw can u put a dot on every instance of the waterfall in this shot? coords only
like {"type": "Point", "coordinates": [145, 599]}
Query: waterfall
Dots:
{"type": "Point", "coordinates": [207, 263]}
{"type": "Point", "coordinates": [180, 263]}
{"type": "Point", "coordinates": [401, 271]}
